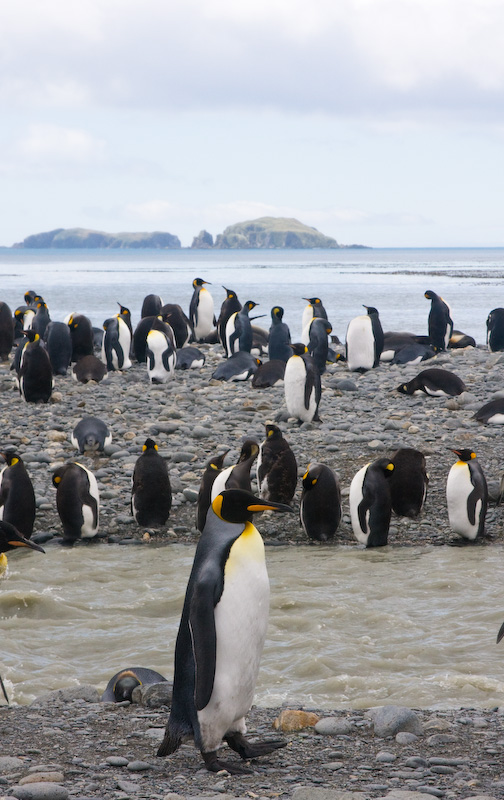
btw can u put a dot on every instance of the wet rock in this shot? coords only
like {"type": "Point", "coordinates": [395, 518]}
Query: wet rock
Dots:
{"type": "Point", "coordinates": [390, 720]}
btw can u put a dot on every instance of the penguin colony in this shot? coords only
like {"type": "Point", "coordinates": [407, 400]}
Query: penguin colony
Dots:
{"type": "Point", "coordinates": [229, 569]}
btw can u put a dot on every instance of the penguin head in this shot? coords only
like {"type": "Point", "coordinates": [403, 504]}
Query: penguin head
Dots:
{"type": "Point", "coordinates": [238, 505]}
{"type": "Point", "coordinates": [370, 309]}
{"type": "Point", "coordinates": [41, 303]}
{"type": "Point", "coordinates": [10, 538]}
{"type": "Point", "coordinates": [311, 476]}
{"type": "Point", "coordinates": [465, 454]}
{"type": "Point", "coordinates": [29, 297]}
{"type": "Point", "coordinates": [385, 465]}
{"type": "Point", "coordinates": [216, 464]}
{"type": "Point", "coordinates": [149, 444]}
{"type": "Point", "coordinates": [313, 301]}
{"type": "Point", "coordinates": [124, 312]}
{"type": "Point", "coordinates": [124, 685]}
{"type": "Point", "coordinates": [250, 449]}
{"type": "Point", "coordinates": [249, 305]}
{"type": "Point", "coordinates": [277, 313]}
{"type": "Point", "coordinates": [273, 431]}
{"type": "Point", "coordinates": [11, 457]}
{"type": "Point", "coordinates": [199, 282]}
{"type": "Point", "coordinates": [32, 336]}
{"type": "Point", "coordinates": [230, 294]}
{"type": "Point", "coordinates": [403, 388]}
{"type": "Point", "coordinates": [299, 349]}
{"type": "Point", "coordinates": [430, 295]}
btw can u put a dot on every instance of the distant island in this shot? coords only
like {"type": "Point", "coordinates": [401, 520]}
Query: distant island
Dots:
{"type": "Point", "coordinates": [264, 233]}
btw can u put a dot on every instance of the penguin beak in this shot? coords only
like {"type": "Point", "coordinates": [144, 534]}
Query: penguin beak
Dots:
{"type": "Point", "coordinates": [268, 506]}
{"type": "Point", "coordinates": [26, 543]}
{"type": "Point", "coordinates": [457, 452]}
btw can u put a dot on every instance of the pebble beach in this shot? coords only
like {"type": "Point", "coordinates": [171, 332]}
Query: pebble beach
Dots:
{"type": "Point", "coordinates": [87, 749]}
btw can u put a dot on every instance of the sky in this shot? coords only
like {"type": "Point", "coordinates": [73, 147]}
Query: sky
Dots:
{"type": "Point", "coordinates": [378, 122]}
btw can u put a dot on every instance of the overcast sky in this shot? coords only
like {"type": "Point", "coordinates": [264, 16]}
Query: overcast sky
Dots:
{"type": "Point", "coordinates": [376, 121]}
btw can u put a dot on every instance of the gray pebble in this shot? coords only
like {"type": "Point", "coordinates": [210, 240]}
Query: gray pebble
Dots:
{"type": "Point", "coordinates": [40, 791]}
{"type": "Point", "coordinates": [333, 726]}
{"type": "Point", "coordinates": [389, 720]}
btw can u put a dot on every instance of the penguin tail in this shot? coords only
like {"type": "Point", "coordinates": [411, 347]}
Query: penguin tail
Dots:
{"type": "Point", "coordinates": [169, 744]}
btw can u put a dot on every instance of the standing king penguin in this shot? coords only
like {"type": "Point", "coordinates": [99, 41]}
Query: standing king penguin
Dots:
{"type": "Point", "coordinates": [279, 336]}
{"type": "Point", "coordinates": [495, 330]}
{"type": "Point", "coordinates": [201, 310]}
{"type": "Point", "coordinates": [221, 635]}
{"type": "Point", "coordinates": [467, 496]}
{"type": "Point", "coordinates": [237, 476]}
{"type": "Point", "coordinates": [35, 371]}
{"type": "Point", "coordinates": [229, 306]}
{"type": "Point", "coordinates": [371, 504]}
{"type": "Point", "coordinates": [151, 495]}
{"type": "Point", "coordinates": [276, 467]}
{"type": "Point", "coordinates": [77, 501]}
{"type": "Point", "coordinates": [239, 330]}
{"type": "Point", "coordinates": [364, 341]}
{"type": "Point", "coordinates": [440, 323]}
{"type": "Point", "coordinates": [17, 496]}
{"type": "Point", "coordinates": [320, 508]}
{"type": "Point", "coordinates": [302, 385]}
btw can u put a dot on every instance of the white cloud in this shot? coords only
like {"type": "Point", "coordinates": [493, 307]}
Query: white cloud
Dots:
{"type": "Point", "coordinates": [46, 149]}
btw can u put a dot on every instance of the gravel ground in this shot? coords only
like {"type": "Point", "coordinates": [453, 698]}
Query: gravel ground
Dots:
{"type": "Point", "coordinates": [192, 419]}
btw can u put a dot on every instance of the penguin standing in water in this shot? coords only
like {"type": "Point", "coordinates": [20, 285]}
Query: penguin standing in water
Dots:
{"type": "Point", "coordinates": [371, 504]}
{"type": "Point", "coordinates": [237, 476]}
{"type": "Point", "coordinates": [212, 469]}
{"type": "Point", "coordinates": [35, 372]}
{"type": "Point", "coordinates": [302, 385]}
{"type": "Point", "coordinates": [440, 323]}
{"type": "Point", "coordinates": [59, 347]}
{"type": "Point", "coordinates": [151, 495]}
{"type": "Point", "coordinates": [239, 330]}
{"type": "Point", "coordinates": [320, 509]}
{"type": "Point", "coordinates": [364, 341]}
{"type": "Point", "coordinates": [229, 306]}
{"type": "Point", "coordinates": [276, 467]}
{"type": "Point", "coordinates": [201, 310]}
{"type": "Point", "coordinates": [77, 501]}
{"type": "Point", "coordinates": [6, 331]}
{"type": "Point", "coordinates": [467, 496]}
{"type": "Point", "coordinates": [408, 482]}
{"type": "Point", "coordinates": [495, 330]}
{"type": "Point", "coordinates": [11, 539]}
{"type": "Point", "coordinates": [17, 496]}
{"type": "Point", "coordinates": [279, 337]}
{"type": "Point", "coordinates": [221, 635]}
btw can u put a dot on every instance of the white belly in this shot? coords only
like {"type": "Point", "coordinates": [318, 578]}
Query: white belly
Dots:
{"type": "Point", "coordinates": [294, 390]}
{"type": "Point", "coordinates": [241, 621]}
{"type": "Point", "coordinates": [205, 314]}
{"type": "Point", "coordinates": [219, 483]}
{"type": "Point", "coordinates": [355, 498]}
{"type": "Point", "coordinates": [230, 329]}
{"type": "Point", "coordinates": [360, 343]}
{"type": "Point", "coordinates": [458, 488]}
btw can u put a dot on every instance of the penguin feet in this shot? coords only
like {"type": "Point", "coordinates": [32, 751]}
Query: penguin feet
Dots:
{"type": "Point", "coordinates": [246, 749]}
{"type": "Point", "coordinates": [214, 764]}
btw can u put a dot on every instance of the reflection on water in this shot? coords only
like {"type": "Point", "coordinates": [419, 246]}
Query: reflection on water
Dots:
{"type": "Point", "coordinates": [348, 628]}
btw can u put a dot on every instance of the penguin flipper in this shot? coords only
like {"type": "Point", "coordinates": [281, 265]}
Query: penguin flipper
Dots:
{"type": "Point", "coordinates": [204, 639]}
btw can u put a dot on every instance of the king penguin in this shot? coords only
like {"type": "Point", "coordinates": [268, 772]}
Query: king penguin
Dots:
{"type": "Point", "coordinates": [237, 476]}
{"type": "Point", "coordinates": [77, 501]}
{"type": "Point", "coordinates": [315, 308]}
{"type": "Point", "coordinates": [364, 341]}
{"type": "Point", "coordinates": [6, 331]}
{"type": "Point", "coordinates": [440, 323]}
{"type": "Point", "coordinates": [495, 330]}
{"type": "Point", "coordinates": [11, 539]}
{"type": "Point", "coordinates": [239, 330]}
{"type": "Point", "coordinates": [17, 496]}
{"type": "Point", "coordinates": [221, 635]}
{"type": "Point", "coordinates": [302, 385]}
{"type": "Point", "coordinates": [320, 508]}
{"type": "Point", "coordinates": [434, 382]}
{"type": "Point", "coordinates": [59, 347]}
{"type": "Point", "coordinates": [201, 310]}
{"type": "Point", "coordinates": [120, 686]}
{"type": "Point", "coordinates": [467, 496]}
{"type": "Point", "coordinates": [151, 495]}
{"type": "Point", "coordinates": [408, 482]}
{"type": "Point", "coordinates": [371, 504]}
{"type": "Point", "coordinates": [279, 338]}
{"type": "Point", "coordinates": [160, 352]}
{"type": "Point", "coordinates": [229, 306]}
{"type": "Point", "coordinates": [91, 434]}
{"type": "Point", "coordinates": [276, 467]}
{"type": "Point", "coordinates": [212, 468]}
{"type": "Point", "coordinates": [35, 371]}
{"type": "Point", "coordinates": [81, 331]}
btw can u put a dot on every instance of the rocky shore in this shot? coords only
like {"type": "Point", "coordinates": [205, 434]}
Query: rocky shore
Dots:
{"type": "Point", "coordinates": [96, 750]}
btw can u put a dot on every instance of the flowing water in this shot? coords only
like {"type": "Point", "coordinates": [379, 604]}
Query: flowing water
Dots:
{"type": "Point", "coordinates": [348, 628]}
